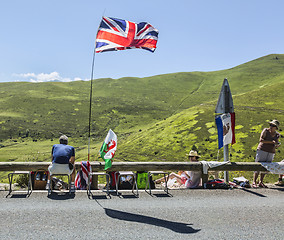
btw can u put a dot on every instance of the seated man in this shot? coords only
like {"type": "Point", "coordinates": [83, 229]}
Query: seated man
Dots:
{"type": "Point", "coordinates": [63, 159]}
{"type": "Point", "coordinates": [190, 179]}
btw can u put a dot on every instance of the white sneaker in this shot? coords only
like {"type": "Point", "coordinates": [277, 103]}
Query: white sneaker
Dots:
{"type": "Point", "coordinates": [47, 186]}
{"type": "Point", "coordinates": [72, 188]}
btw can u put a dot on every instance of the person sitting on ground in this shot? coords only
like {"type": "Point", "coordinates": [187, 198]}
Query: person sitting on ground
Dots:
{"type": "Point", "coordinates": [280, 181]}
{"type": "Point", "coordinates": [63, 159]}
{"type": "Point", "coordinates": [180, 177]}
{"type": "Point", "coordinates": [190, 179]}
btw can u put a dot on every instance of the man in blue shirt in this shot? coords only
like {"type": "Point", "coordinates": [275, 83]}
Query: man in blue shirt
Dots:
{"type": "Point", "coordinates": [63, 159]}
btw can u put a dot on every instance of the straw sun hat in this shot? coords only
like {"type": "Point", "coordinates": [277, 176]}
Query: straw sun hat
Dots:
{"type": "Point", "coordinates": [275, 123]}
{"type": "Point", "coordinates": [193, 154]}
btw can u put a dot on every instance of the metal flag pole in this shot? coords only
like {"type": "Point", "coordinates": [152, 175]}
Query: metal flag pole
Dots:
{"type": "Point", "coordinates": [90, 104]}
{"type": "Point", "coordinates": [91, 96]}
{"type": "Point", "coordinates": [225, 105]}
{"type": "Point", "coordinates": [227, 110]}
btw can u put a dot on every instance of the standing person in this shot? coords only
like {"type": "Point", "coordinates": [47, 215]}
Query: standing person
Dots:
{"type": "Point", "coordinates": [63, 159]}
{"type": "Point", "coordinates": [268, 142]}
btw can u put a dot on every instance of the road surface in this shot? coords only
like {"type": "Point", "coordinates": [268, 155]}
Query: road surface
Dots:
{"type": "Point", "coordinates": [187, 214]}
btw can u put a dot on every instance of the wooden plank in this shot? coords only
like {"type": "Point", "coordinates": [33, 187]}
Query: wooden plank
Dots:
{"type": "Point", "coordinates": [137, 166]}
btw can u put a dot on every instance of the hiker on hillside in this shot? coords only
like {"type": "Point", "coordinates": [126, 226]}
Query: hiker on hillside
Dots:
{"type": "Point", "coordinates": [63, 159]}
{"type": "Point", "coordinates": [190, 179]}
{"type": "Point", "coordinates": [268, 142]}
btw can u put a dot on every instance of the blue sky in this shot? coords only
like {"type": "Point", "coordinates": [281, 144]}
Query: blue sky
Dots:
{"type": "Point", "coordinates": [54, 39]}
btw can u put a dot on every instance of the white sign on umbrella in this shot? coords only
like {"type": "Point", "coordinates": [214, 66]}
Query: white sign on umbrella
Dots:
{"type": "Point", "coordinates": [224, 106]}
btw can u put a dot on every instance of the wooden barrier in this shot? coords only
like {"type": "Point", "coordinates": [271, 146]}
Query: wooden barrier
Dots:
{"type": "Point", "coordinates": [137, 166]}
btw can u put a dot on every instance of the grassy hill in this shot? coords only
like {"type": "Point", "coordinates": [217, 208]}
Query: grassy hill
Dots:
{"type": "Point", "coordinates": [156, 118]}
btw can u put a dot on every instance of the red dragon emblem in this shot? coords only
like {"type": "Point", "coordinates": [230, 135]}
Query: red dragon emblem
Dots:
{"type": "Point", "coordinates": [111, 145]}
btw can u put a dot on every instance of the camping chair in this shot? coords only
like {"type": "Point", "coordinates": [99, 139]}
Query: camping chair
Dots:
{"type": "Point", "coordinates": [125, 173]}
{"type": "Point", "coordinates": [97, 174]}
{"type": "Point", "coordinates": [10, 177]}
{"type": "Point", "coordinates": [59, 174]}
{"type": "Point", "coordinates": [166, 177]}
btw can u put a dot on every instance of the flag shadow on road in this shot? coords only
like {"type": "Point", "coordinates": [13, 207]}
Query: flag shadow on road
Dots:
{"type": "Point", "coordinates": [132, 217]}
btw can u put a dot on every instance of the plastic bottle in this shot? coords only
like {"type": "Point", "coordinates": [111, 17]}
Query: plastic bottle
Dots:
{"type": "Point", "coordinates": [43, 177]}
{"type": "Point", "coordinates": [37, 176]}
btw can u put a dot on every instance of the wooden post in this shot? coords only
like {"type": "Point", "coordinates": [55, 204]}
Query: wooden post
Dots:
{"type": "Point", "coordinates": [204, 179]}
{"type": "Point", "coordinates": [94, 184]}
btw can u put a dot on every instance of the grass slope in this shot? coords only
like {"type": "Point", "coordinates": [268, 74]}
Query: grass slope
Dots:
{"type": "Point", "coordinates": [172, 138]}
{"type": "Point", "coordinates": [156, 118]}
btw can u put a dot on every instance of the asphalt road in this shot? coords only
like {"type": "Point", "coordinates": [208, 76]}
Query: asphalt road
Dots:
{"type": "Point", "coordinates": [187, 214]}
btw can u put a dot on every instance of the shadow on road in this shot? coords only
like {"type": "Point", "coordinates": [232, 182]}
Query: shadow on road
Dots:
{"type": "Point", "coordinates": [281, 189]}
{"type": "Point", "coordinates": [61, 196]}
{"type": "Point", "coordinates": [131, 217]}
{"type": "Point", "coordinates": [92, 196]}
{"type": "Point", "coordinates": [161, 195]}
{"type": "Point", "coordinates": [252, 192]}
{"type": "Point", "coordinates": [18, 195]}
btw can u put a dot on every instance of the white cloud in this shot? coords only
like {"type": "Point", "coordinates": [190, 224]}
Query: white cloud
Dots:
{"type": "Point", "coordinates": [44, 77]}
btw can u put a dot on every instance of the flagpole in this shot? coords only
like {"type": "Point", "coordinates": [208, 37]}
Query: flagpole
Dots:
{"type": "Point", "coordinates": [90, 106]}
{"type": "Point", "coordinates": [91, 96]}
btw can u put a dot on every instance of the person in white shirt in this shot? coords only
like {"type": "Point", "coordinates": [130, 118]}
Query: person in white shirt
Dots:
{"type": "Point", "coordinates": [190, 179]}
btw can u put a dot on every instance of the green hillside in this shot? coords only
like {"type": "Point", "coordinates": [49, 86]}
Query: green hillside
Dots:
{"type": "Point", "coordinates": [157, 118]}
{"type": "Point", "coordinates": [172, 138]}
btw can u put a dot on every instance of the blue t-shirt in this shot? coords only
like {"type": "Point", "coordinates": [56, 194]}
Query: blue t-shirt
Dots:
{"type": "Point", "coordinates": [61, 153]}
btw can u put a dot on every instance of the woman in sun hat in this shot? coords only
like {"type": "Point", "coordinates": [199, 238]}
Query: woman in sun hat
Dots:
{"type": "Point", "coordinates": [193, 155]}
{"type": "Point", "coordinates": [268, 142]}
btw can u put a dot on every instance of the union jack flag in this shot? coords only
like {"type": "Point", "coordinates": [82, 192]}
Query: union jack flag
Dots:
{"type": "Point", "coordinates": [116, 34]}
{"type": "Point", "coordinates": [81, 179]}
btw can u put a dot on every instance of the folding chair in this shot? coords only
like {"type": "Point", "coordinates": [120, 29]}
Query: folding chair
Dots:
{"type": "Point", "coordinates": [125, 173]}
{"type": "Point", "coordinates": [97, 174]}
{"type": "Point", "coordinates": [10, 177]}
{"type": "Point", "coordinates": [150, 173]}
{"type": "Point", "coordinates": [58, 174]}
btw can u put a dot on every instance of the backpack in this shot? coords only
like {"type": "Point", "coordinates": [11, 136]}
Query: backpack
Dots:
{"type": "Point", "coordinates": [243, 182]}
{"type": "Point", "coordinates": [216, 184]}
{"type": "Point", "coordinates": [142, 178]}
{"type": "Point", "coordinates": [125, 182]}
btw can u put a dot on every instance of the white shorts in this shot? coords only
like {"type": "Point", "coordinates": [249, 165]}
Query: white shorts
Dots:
{"type": "Point", "coordinates": [56, 168]}
{"type": "Point", "coordinates": [262, 156]}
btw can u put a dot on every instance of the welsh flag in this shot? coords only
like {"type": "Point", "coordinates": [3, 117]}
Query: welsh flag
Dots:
{"type": "Point", "coordinates": [108, 148]}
